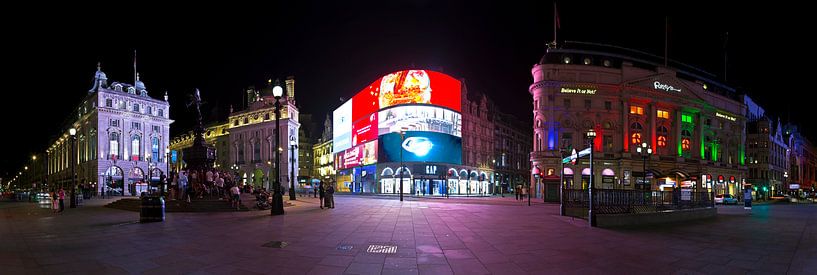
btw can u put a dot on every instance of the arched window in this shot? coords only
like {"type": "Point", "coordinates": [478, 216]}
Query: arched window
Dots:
{"type": "Point", "coordinates": [662, 141]}
{"type": "Point", "coordinates": [113, 145]}
{"type": "Point", "coordinates": [256, 152]}
{"type": "Point", "coordinates": [636, 126]}
{"type": "Point", "coordinates": [538, 123]}
{"type": "Point", "coordinates": [134, 147]}
{"type": "Point", "coordinates": [154, 148]}
{"type": "Point", "coordinates": [636, 138]}
{"type": "Point", "coordinates": [686, 140]}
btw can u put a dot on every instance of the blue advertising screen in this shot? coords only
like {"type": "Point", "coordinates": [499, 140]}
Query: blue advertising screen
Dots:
{"type": "Point", "coordinates": [420, 146]}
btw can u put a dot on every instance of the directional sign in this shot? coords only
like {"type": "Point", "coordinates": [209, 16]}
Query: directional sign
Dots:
{"type": "Point", "coordinates": [575, 155]}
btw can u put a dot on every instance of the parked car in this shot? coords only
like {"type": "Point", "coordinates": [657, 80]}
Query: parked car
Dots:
{"type": "Point", "coordinates": [725, 199]}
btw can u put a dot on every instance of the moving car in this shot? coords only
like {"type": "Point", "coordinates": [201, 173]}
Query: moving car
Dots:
{"type": "Point", "coordinates": [725, 199]}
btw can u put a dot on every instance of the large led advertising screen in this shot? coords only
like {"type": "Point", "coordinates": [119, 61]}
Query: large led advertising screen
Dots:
{"type": "Point", "coordinates": [342, 127]}
{"type": "Point", "coordinates": [420, 146]}
{"type": "Point", "coordinates": [363, 154]}
{"type": "Point", "coordinates": [364, 130]}
{"type": "Point", "coordinates": [408, 87]}
{"type": "Point", "coordinates": [419, 118]}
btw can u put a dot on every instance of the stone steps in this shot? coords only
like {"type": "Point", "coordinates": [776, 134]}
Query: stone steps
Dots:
{"type": "Point", "coordinates": [202, 205]}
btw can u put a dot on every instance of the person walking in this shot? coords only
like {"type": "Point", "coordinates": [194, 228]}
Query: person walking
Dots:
{"type": "Point", "coordinates": [322, 193]}
{"type": "Point", "coordinates": [236, 196]}
{"type": "Point", "coordinates": [330, 196]}
{"type": "Point", "coordinates": [61, 195]}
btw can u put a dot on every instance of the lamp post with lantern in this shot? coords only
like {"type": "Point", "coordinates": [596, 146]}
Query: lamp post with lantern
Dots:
{"type": "Point", "coordinates": [277, 198]}
{"type": "Point", "coordinates": [591, 135]}
{"type": "Point", "coordinates": [73, 200]}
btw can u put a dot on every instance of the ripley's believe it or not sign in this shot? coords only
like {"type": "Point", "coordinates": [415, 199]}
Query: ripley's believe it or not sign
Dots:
{"type": "Point", "coordinates": [425, 104]}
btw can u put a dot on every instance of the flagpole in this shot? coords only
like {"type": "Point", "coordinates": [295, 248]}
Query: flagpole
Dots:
{"type": "Point", "coordinates": [555, 23]}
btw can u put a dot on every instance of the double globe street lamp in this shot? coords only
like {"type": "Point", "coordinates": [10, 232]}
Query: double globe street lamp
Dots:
{"type": "Point", "coordinates": [645, 153]}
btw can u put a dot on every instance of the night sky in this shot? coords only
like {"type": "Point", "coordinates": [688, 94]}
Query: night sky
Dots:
{"type": "Point", "coordinates": [334, 50]}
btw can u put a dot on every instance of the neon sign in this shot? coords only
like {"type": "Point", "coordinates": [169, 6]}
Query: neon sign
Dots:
{"type": "Point", "coordinates": [720, 115]}
{"type": "Point", "coordinates": [666, 87]}
{"type": "Point", "coordinates": [578, 91]}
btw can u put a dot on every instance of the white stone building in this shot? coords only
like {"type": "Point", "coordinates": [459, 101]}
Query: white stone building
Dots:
{"type": "Point", "coordinates": [252, 137]}
{"type": "Point", "coordinates": [121, 139]}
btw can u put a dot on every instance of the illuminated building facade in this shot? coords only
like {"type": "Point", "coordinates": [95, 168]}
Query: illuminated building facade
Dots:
{"type": "Point", "coordinates": [323, 159]}
{"type": "Point", "coordinates": [121, 138]}
{"type": "Point", "coordinates": [802, 174]}
{"type": "Point", "coordinates": [694, 125]}
{"type": "Point", "coordinates": [216, 135]}
{"type": "Point", "coordinates": [252, 137]}
{"type": "Point", "coordinates": [766, 153]}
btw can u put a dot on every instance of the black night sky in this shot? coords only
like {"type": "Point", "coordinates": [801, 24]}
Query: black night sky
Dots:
{"type": "Point", "coordinates": [334, 50]}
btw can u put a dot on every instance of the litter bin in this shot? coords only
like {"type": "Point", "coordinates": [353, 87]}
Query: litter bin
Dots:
{"type": "Point", "coordinates": [152, 210]}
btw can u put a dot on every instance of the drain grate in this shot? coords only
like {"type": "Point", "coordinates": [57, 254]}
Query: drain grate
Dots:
{"type": "Point", "coordinates": [345, 247]}
{"type": "Point", "coordinates": [275, 244]}
{"type": "Point", "coordinates": [381, 249]}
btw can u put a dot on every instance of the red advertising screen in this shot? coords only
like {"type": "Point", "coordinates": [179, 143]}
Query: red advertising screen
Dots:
{"type": "Point", "coordinates": [407, 87]}
{"type": "Point", "coordinates": [365, 102]}
{"type": "Point", "coordinates": [419, 86]}
{"type": "Point", "coordinates": [364, 130]}
{"type": "Point", "coordinates": [363, 154]}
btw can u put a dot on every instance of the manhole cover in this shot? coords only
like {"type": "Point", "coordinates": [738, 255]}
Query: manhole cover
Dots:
{"type": "Point", "coordinates": [381, 249]}
{"type": "Point", "coordinates": [275, 244]}
{"type": "Point", "coordinates": [345, 247]}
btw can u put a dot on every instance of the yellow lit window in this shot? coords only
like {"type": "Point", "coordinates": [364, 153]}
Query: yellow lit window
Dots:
{"type": "Point", "coordinates": [663, 114]}
{"type": "Point", "coordinates": [636, 110]}
{"type": "Point", "coordinates": [685, 144]}
{"type": "Point", "coordinates": [636, 138]}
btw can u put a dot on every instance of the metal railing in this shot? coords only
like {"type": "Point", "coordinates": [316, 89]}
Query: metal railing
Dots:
{"type": "Point", "coordinates": [616, 201]}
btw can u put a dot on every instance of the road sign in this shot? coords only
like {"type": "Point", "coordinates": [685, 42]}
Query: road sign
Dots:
{"type": "Point", "coordinates": [575, 155]}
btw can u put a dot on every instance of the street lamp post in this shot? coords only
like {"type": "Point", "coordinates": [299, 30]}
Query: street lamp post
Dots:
{"type": "Point", "coordinates": [402, 139]}
{"type": "Point", "coordinates": [562, 183]}
{"type": "Point", "coordinates": [293, 147]}
{"type": "Point", "coordinates": [73, 201]}
{"type": "Point", "coordinates": [536, 174]}
{"type": "Point", "coordinates": [277, 198]}
{"type": "Point", "coordinates": [591, 135]}
{"type": "Point", "coordinates": [645, 153]}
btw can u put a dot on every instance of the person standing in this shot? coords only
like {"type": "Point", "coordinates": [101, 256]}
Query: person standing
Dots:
{"type": "Point", "coordinates": [322, 193]}
{"type": "Point", "coordinates": [54, 203]}
{"type": "Point", "coordinates": [236, 196]}
{"type": "Point", "coordinates": [61, 195]}
{"type": "Point", "coordinates": [330, 196]}
{"type": "Point", "coordinates": [183, 185]}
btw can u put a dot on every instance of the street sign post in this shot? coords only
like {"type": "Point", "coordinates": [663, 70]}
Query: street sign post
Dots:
{"type": "Point", "coordinates": [575, 155]}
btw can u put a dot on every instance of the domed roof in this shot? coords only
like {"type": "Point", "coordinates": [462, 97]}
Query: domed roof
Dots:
{"type": "Point", "coordinates": [139, 84]}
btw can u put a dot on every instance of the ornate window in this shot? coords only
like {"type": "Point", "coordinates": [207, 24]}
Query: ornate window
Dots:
{"type": "Point", "coordinates": [662, 141]}
{"type": "Point", "coordinates": [113, 145]}
{"type": "Point", "coordinates": [636, 138]}
{"type": "Point", "coordinates": [134, 147]}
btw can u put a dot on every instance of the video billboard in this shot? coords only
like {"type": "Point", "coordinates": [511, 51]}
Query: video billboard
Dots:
{"type": "Point", "coordinates": [363, 154]}
{"type": "Point", "coordinates": [408, 87]}
{"type": "Point", "coordinates": [420, 146]}
{"type": "Point", "coordinates": [364, 130]}
{"type": "Point", "coordinates": [342, 127]}
{"type": "Point", "coordinates": [419, 118]}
